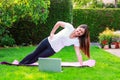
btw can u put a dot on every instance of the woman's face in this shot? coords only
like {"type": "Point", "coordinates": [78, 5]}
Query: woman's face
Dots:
{"type": "Point", "coordinates": [79, 31]}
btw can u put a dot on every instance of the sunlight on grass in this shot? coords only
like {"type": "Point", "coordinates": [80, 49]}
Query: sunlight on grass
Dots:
{"type": "Point", "coordinates": [106, 68]}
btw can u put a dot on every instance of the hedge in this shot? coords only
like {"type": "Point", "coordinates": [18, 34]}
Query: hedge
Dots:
{"type": "Point", "coordinates": [60, 10]}
{"type": "Point", "coordinates": [97, 20]}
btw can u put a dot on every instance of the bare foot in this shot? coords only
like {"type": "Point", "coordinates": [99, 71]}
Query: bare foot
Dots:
{"type": "Point", "coordinates": [34, 63]}
{"type": "Point", "coordinates": [15, 62]}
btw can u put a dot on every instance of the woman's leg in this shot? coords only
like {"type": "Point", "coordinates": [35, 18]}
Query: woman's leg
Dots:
{"type": "Point", "coordinates": [33, 57]}
{"type": "Point", "coordinates": [46, 53]}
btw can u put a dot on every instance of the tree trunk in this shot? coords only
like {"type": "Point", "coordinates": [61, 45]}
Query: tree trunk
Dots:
{"type": "Point", "coordinates": [115, 3]}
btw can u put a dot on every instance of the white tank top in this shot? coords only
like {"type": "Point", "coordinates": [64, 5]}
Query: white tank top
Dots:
{"type": "Point", "coordinates": [62, 38]}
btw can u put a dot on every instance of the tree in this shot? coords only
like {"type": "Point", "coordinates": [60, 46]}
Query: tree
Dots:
{"type": "Point", "coordinates": [116, 3]}
{"type": "Point", "coordinates": [15, 11]}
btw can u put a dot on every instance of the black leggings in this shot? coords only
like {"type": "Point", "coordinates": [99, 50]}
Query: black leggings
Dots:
{"type": "Point", "coordinates": [43, 50]}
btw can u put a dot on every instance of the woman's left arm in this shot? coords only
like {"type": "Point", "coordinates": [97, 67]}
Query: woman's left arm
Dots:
{"type": "Point", "coordinates": [79, 56]}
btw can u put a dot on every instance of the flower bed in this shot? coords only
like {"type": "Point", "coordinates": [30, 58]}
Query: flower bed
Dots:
{"type": "Point", "coordinates": [110, 38]}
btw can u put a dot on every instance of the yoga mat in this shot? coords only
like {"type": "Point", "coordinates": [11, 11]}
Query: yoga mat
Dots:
{"type": "Point", "coordinates": [88, 63]}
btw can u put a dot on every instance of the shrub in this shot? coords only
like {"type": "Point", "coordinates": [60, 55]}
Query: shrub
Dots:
{"type": "Point", "coordinates": [106, 37]}
{"type": "Point", "coordinates": [7, 41]}
{"type": "Point", "coordinates": [15, 12]}
{"type": "Point", "coordinates": [26, 10]}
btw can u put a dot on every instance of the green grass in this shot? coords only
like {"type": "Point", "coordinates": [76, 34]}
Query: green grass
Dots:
{"type": "Point", "coordinates": [107, 66]}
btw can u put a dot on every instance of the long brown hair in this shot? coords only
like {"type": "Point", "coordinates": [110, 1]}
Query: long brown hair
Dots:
{"type": "Point", "coordinates": [85, 41]}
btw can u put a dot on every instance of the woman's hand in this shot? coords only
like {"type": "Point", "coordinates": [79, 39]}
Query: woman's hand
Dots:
{"type": "Point", "coordinates": [56, 26]}
{"type": "Point", "coordinates": [79, 56]}
{"type": "Point", "coordinates": [51, 36]}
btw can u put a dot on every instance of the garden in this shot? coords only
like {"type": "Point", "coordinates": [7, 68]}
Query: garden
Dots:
{"type": "Point", "coordinates": [24, 23]}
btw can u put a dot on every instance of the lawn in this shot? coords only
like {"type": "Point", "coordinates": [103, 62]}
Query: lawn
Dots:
{"type": "Point", "coordinates": [107, 66]}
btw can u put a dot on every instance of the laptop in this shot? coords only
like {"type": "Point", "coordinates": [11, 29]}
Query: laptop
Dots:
{"type": "Point", "coordinates": [49, 64]}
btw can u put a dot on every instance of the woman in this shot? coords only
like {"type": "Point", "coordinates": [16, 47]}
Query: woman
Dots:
{"type": "Point", "coordinates": [78, 37]}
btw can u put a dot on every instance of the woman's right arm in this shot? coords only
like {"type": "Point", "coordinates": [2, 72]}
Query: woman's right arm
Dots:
{"type": "Point", "coordinates": [79, 56]}
{"type": "Point", "coordinates": [56, 26]}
